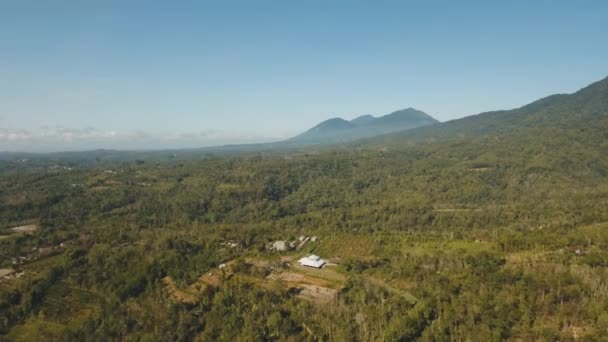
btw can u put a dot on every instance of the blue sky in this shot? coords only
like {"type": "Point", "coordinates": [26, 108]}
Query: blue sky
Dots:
{"type": "Point", "coordinates": [146, 74]}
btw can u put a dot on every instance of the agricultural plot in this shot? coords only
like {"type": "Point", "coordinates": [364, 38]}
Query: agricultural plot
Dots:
{"type": "Point", "coordinates": [316, 285]}
{"type": "Point", "coordinates": [64, 307]}
{"type": "Point", "coordinates": [30, 228]}
{"type": "Point", "coordinates": [6, 271]}
{"type": "Point", "coordinates": [318, 294]}
{"type": "Point", "coordinates": [344, 246]}
{"type": "Point", "coordinates": [36, 330]}
{"type": "Point", "coordinates": [213, 278]}
{"type": "Point", "coordinates": [182, 296]}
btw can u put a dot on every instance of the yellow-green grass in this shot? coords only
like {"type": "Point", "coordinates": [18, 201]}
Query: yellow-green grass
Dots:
{"type": "Point", "coordinates": [430, 248]}
{"type": "Point", "coordinates": [345, 246]}
{"type": "Point", "coordinates": [36, 329]}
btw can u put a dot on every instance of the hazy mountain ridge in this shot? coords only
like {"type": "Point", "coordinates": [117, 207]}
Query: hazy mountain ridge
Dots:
{"type": "Point", "coordinates": [363, 119]}
{"type": "Point", "coordinates": [584, 109]}
{"type": "Point", "coordinates": [338, 130]}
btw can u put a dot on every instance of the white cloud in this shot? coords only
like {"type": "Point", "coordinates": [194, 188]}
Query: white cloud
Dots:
{"type": "Point", "coordinates": [48, 139]}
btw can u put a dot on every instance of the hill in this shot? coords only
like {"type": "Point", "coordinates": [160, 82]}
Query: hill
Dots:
{"type": "Point", "coordinates": [586, 108]}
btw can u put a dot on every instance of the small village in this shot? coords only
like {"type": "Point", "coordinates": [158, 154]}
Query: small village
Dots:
{"type": "Point", "coordinates": [311, 277]}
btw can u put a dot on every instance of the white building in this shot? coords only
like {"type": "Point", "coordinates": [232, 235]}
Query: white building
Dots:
{"type": "Point", "coordinates": [312, 261]}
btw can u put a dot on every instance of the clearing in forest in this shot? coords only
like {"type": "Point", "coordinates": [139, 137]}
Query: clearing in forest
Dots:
{"type": "Point", "coordinates": [25, 229]}
{"type": "Point", "coordinates": [6, 271]}
{"type": "Point", "coordinates": [343, 246]}
{"type": "Point", "coordinates": [212, 278]}
{"type": "Point", "coordinates": [455, 210]}
{"type": "Point", "coordinates": [175, 293]}
{"type": "Point", "coordinates": [316, 285]}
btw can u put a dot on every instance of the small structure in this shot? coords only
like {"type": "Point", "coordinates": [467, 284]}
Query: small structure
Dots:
{"type": "Point", "coordinates": [279, 246]}
{"type": "Point", "coordinates": [230, 244]}
{"type": "Point", "coordinates": [313, 261]}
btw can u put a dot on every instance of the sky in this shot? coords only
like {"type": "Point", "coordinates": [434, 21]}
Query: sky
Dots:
{"type": "Point", "coordinates": [77, 75]}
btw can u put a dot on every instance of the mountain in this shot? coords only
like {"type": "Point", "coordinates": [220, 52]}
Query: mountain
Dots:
{"type": "Point", "coordinates": [585, 109]}
{"type": "Point", "coordinates": [335, 124]}
{"type": "Point", "coordinates": [332, 130]}
{"type": "Point", "coordinates": [338, 130]}
{"type": "Point", "coordinates": [409, 116]}
{"type": "Point", "coordinates": [363, 120]}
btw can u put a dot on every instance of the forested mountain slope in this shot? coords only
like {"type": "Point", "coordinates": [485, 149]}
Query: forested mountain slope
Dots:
{"type": "Point", "coordinates": [587, 108]}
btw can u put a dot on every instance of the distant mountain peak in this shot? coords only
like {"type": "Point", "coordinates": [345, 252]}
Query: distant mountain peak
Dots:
{"type": "Point", "coordinates": [363, 119]}
{"type": "Point", "coordinates": [340, 130]}
{"type": "Point", "coordinates": [334, 123]}
{"type": "Point", "coordinates": [411, 113]}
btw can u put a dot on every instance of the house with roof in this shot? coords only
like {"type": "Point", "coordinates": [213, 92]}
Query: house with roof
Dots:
{"type": "Point", "coordinates": [313, 261]}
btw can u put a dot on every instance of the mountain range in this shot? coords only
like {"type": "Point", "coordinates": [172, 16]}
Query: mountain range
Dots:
{"type": "Point", "coordinates": [338, 130]}
{"type": "Point", "coordinates": [582, 115]}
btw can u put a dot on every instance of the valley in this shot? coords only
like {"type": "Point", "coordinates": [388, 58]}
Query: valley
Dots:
{"type": "Point", "coordinates": [487, 228]}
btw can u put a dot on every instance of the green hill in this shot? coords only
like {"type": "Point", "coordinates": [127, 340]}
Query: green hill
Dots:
{"type": "Point", "coordinates": [587, 108]}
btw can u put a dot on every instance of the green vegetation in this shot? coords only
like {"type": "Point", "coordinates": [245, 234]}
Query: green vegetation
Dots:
{"type": "Point", "coordinates": [488, 228]}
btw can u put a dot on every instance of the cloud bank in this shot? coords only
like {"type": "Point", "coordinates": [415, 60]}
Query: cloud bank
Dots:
{"type": "Point", "coordinates": [53, 139]}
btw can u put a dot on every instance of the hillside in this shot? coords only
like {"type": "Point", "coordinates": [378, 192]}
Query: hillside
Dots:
{"type": "Point", "coordinates": [586, 108]}
{"type": "Point", "coordinates": [492, 227]}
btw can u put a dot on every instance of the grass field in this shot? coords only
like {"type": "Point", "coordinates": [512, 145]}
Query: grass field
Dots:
{"type": "Point", "coordinates": [342, 246]}
{"type": "Point", "coordinates": [64, 307]}
{"type": "Point", "coordinates": [36, 329]}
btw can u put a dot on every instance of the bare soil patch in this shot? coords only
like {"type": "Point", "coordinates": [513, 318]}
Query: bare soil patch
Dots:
{"type": "Point", "coordinates": [455, 210]}
{"type": "Point", "coordinates": [481, 169]}
{"type": "Point", "coordinates": [315, 285]}
{"type": "Point", "coordinates": [25, 229]}
{"type": "Point", "coordinates": [318, 294]}
{"type": "Point", "coordinates": [177, 294]}
{"type": "Point", "coordinates": [6, 271]}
